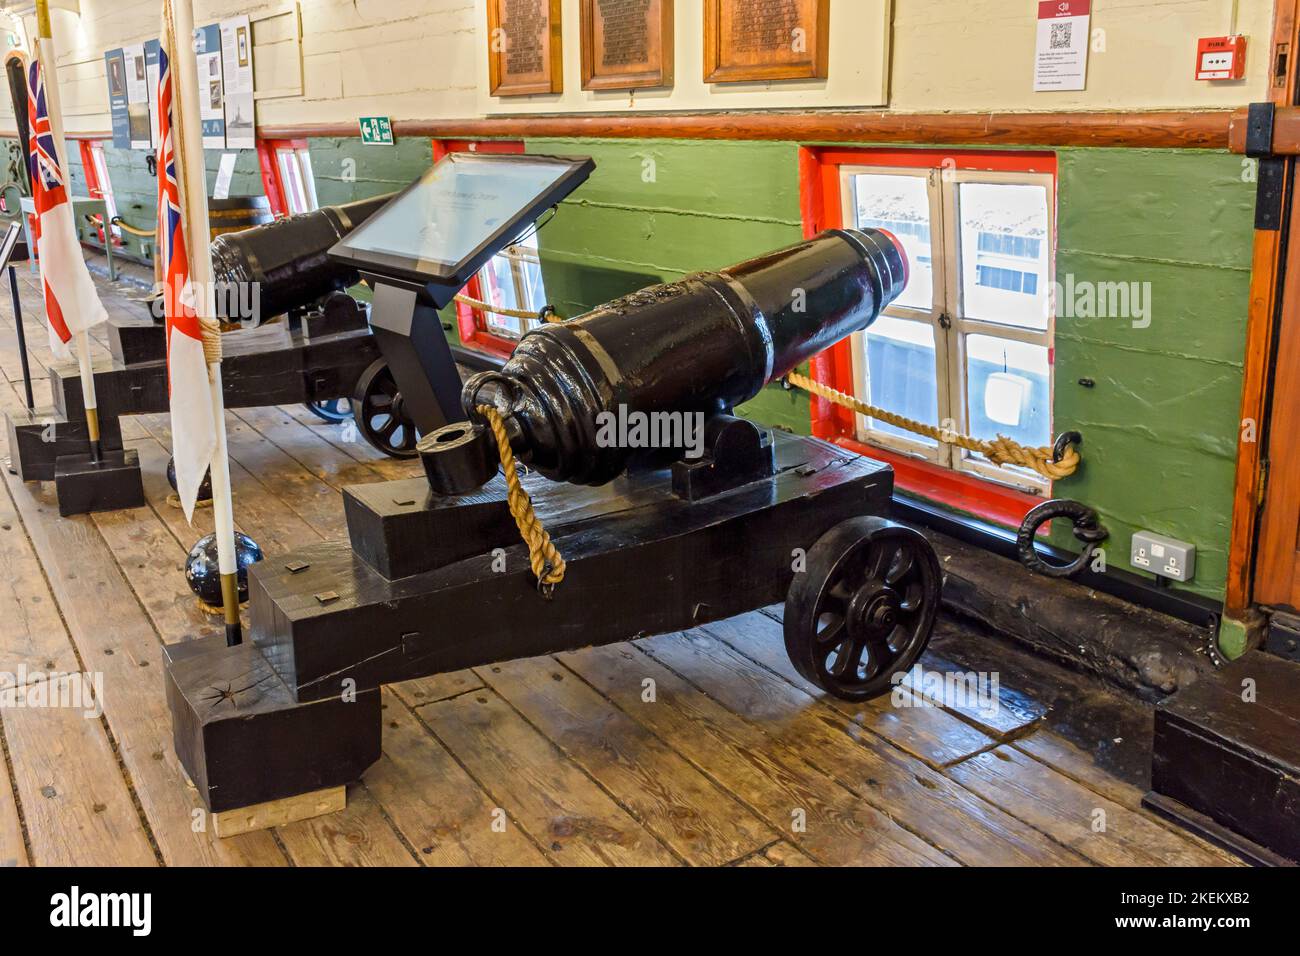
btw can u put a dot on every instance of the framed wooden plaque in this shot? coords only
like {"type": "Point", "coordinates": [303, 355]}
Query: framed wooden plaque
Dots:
{"type": "Point", "coordinates": [766, 40]}
{"type": "Point", "coordinates": [627, 44]}
{"type": "Point", "coordinates": [524, 51]}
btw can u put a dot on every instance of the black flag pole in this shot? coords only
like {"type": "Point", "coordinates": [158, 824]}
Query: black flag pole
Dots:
{"type": "Point", "coordinates": [7, 246]}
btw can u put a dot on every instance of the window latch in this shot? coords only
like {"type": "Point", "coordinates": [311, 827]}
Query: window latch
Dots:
{"type": "Point", "coordinates": [945, 320]}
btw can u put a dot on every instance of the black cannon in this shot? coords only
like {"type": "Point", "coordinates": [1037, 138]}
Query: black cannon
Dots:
{"type": "Point", "coordinates": [722, 518]}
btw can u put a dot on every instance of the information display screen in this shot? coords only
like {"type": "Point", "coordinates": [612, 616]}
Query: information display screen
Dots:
{"type": "Point", "coordinates": [464, 210]}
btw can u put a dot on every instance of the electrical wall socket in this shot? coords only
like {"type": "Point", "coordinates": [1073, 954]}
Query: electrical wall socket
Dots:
{"type": "Point", "coordinates": [1167, 557]}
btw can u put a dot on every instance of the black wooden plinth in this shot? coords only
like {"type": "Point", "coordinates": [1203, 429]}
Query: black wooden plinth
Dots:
{"type": "Point", "coordinates": [244, 740]}
{"type": "Point", "coordinates": [84, 484]}
{"type": "Point", "coordinates": [38, 438]}
{"type": "Point", "coordinates": [316, 369]}
{"type": "Point", "coordinates": [640, 561]}
{"type": "Point", "coordinates": [136, 340]}
{"type": "Point", "coordinates": [1234, 761]}
{"type": "Point", "coordinates": [401, 528]}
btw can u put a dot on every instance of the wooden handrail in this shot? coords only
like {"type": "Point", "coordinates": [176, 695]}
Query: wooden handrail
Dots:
{"type": "Point", "coordinates": [1186, 129]}
{"type": "Point", "coordinates": [1169, 129]}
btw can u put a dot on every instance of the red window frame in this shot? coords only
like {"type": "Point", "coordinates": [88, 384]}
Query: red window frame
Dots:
{"type": "Point", "coordinates": [272, 181]}
{"type": "Point", "coordinates": [93, 186]}
{"type": "Point", "coordinates": [821, 208]}
{"type": "Point", "coordinates": [470, 322]}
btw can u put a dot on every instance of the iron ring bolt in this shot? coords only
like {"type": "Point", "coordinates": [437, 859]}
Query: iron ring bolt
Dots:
{"type": "Point", "coordinates": [546, 314]}
{"type": "Point", "coordinates": [1065, 441]}
{"type": "Point", "coordinates": [1087, 529]}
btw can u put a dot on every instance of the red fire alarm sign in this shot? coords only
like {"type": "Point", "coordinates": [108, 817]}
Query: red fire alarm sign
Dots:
{"type": "Point", "coordinates": [1221, 58]}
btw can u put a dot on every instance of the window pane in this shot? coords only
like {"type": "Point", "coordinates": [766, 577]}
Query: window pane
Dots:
{"type": "Point", "coordinates": [900, 373]}
{"type": "Point", "coordinates": [1004, 257]}
{"type": "Point", "coordinates": [308, 179]}
{"type": "Point", "coordinates": [1008, 390]}
{"type": "Point", "coordinates": [901, 204]}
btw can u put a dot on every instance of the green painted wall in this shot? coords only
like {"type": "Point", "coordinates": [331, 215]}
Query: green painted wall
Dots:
{"type": "Point", "coordinates": [1160, 425]}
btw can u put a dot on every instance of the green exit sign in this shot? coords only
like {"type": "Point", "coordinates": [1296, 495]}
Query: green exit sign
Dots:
{"type": "Point", "coordinates": [376, 131]}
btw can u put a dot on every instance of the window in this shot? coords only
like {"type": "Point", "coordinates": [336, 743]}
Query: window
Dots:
{"type": "Point", "coordinates": [295, 173]}
{"type": "Point", "coordinates": [968, 346]}
{"type": "Point", "coordinates": [98, 183]}
{"type": "Point", "coordinates": [511, 280]}
{"type": "Point", "coordinates": [287, 176]}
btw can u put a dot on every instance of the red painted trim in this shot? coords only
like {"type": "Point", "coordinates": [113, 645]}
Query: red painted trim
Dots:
{"type": "Point", "coordinates": [471, 322]}
{"type": "Point", "coordinates": [86, 146]}
{"type": "Point", "coordinates": [271, 182]}
{"type": "Point", "coordinates": [820, 203]}
{"type": "Point", "coordinates": [966, 492]}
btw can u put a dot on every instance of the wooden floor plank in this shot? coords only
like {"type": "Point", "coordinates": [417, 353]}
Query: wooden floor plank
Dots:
{"type": "Point", "coordinates": [32, 635]}
{"type": "Point", "coordinates": [115, 637]}
{"type": "Point", "coordinates": [349, 441]}
{"type": "Point", "coordinates": [700, 821]}
{"type": "Point", "coordinates": [357, 836]}
{"type": "Point", "coordinates": [258, 510]}
{"type": "Point", "coordinates": [778, 854]}
{"type": "Point", "coordinates": [428, 690]}
{"type": "Point", "coordinates": [1098, 828]}
{"type": "Point", "coordinates": [810, 809]}
{"type": "Point", "coordinates": [943, 813]}
{"type": "Point", "coordinates": [927, 732]}
{"type": "Point", "coordinates": [573, 820]}
{"type": "Point", "coordinates": [436, 805]}
{"type": "Point", "coordinates": [13, 848]}
{"type": "Point", "coordinates": [77, 804]}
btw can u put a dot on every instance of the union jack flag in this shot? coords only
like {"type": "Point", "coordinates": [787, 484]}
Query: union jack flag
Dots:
{"type": "Point", "coordinates": [194, 434]}
{"type": "Point", "coordinates": [71, 301]}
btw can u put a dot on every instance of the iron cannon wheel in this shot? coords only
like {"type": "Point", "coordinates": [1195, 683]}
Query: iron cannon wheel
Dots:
{"type": "Point", "coordinates": [332, 410]}
{"type": "Point", "coordinates": [864, 607]}
{"type": "Point", "coordinates": [380, 414]}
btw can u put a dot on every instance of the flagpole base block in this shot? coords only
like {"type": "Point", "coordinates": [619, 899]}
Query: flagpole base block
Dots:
{"type": "Point", "coordinates": [247, 744]}
{"type": "Point", "coordinates": [39, 438]}
{"type": "Point", "coordinates": [85, 484]}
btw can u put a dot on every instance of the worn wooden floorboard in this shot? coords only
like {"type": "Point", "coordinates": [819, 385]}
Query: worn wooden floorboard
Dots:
{"type": "Point", "coordinates": [567, 814]}
{"type": "Point", "coordinates": [947, 816]}
{"type": "Point", "coordinates": [115, 638]}
{"type": "Point", "coordinates": [927, 732]}
{"type": "Point", "coordinates": [732, 760]}
{"type": "Point", "coordinates": [825, 820]}
{"type": "Point", "coordinates": [701, 822]}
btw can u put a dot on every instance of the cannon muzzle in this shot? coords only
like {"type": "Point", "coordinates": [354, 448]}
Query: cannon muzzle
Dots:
{"type": "Point", "coordinates": [287, 260]}
{"type": "Point", "coordinates": [702, 345]}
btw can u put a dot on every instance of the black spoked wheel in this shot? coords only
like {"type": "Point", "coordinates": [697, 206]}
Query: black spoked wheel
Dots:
{"type": "Point", "coordinates": [863, 609]}
{"type": "Point", "coordinates": [380, 415]}
{"type": "Point", "coordinates": [332, 410]}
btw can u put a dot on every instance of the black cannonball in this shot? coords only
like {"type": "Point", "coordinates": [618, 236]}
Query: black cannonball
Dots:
{"type": "Point", "coordinates": [201, 569]}
{"type": "Point", "coordinates": [205, 487]}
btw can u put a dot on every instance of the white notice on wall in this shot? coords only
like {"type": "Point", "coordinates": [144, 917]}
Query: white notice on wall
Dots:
{"type": "Point", "coordinates": [1061, 61]}
{"type": "Point", "coordinates": [225, 173]}
{"type": "Point", "coordinates": [237, 64]}
{"type": "Point", "coordinates": [137, 96]}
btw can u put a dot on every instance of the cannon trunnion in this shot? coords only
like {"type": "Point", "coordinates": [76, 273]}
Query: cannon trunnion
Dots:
{"type": "Point", "coordinates": [435, 578]}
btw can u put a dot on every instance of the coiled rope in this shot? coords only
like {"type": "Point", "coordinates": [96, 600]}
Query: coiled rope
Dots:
{"type": "Point", "coordinates": [544, 558]}
{"type": "Point", "coordinates": [1000, 451]}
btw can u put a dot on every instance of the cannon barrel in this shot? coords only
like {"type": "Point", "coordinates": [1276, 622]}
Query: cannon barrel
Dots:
{"type": "Point", "coordinates": [287, 260]}
{"type": "Point", "coordinates": [705, 344]}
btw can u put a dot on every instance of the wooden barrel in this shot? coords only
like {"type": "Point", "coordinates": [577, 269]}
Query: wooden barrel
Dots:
{"type": "Point", "coordinates": [238, 213]}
